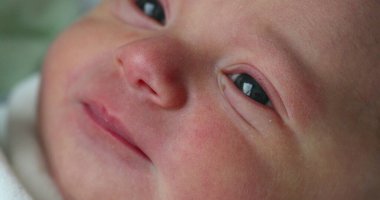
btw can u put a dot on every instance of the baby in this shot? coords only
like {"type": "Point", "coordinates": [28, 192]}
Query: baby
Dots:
{"type": "Point", "coordinates": [215, 99]}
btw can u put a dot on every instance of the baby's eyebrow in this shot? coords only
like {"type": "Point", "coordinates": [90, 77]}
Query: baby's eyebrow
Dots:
{"type": "Point", "coordinates": [272, 50]}
{"type": "Point", "coordinates": [274, 54]}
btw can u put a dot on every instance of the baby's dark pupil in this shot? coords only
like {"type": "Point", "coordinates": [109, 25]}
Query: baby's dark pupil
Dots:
{"type": "Point", "coordinates": [153, 9]}
{"type": "Point", "coordinates": [251, 88]}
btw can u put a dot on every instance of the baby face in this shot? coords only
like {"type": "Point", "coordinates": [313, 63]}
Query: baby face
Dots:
{"type": "Point", "coordinates": [212, 99]}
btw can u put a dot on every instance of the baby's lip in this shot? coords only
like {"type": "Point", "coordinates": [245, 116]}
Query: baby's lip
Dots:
{"type": "Point", "coordinates": [112, 125]}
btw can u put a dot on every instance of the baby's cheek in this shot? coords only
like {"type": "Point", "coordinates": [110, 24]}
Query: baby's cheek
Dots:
{"type": "Point", "coordinates": [212, 160]}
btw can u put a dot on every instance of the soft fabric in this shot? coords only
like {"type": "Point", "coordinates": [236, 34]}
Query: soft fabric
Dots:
{"type": "Point", "coordinates": [23, 173]}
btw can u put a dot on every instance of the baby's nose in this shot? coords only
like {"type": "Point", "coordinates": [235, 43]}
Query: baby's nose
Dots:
{"type": "Point", "coordinates": [153, 68]}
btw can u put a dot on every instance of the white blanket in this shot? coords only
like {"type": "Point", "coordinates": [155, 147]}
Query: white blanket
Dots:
{"type": "Point", "coordinates": [23, 173]}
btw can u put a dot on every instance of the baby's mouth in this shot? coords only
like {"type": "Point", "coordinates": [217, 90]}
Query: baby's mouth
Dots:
{"type": "Point", "coordinates": [112, 125]}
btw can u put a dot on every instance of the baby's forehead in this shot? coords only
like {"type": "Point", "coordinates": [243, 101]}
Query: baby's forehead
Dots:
{"type": "Point", "coordinates": [335, 41]}
{"type": "Point", "coordinates": [328, 33]}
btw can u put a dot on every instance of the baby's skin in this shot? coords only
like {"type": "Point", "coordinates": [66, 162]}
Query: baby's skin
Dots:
{"type": "Point", "coordinates": [215, 99]}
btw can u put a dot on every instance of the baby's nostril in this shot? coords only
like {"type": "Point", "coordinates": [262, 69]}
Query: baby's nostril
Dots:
{"type": "Point", "coordinates": [120, 61]}
{"type": "Point", "coordinates": [144, 85]}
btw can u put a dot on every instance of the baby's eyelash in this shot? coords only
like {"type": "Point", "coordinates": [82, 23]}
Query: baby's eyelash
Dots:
{"type": "Point", "coordinates": [152, 9]}
{"type": "Point", "coordinates": [251, 88]}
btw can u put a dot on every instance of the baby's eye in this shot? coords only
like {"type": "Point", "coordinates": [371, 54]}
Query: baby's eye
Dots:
{"type": "Point", "coordinates": [153, 9]}
{"type": "Point", "coordinates": [250, 88]}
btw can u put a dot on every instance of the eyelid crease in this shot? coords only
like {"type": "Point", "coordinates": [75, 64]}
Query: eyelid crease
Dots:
{"type": "Point", "coordinates": [276, 101]}
{"type": "Point", "coordinates": [257, 116]}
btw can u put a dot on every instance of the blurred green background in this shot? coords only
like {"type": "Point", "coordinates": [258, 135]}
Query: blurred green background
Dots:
{"type": "Point", "coordinates": [27, 27]}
